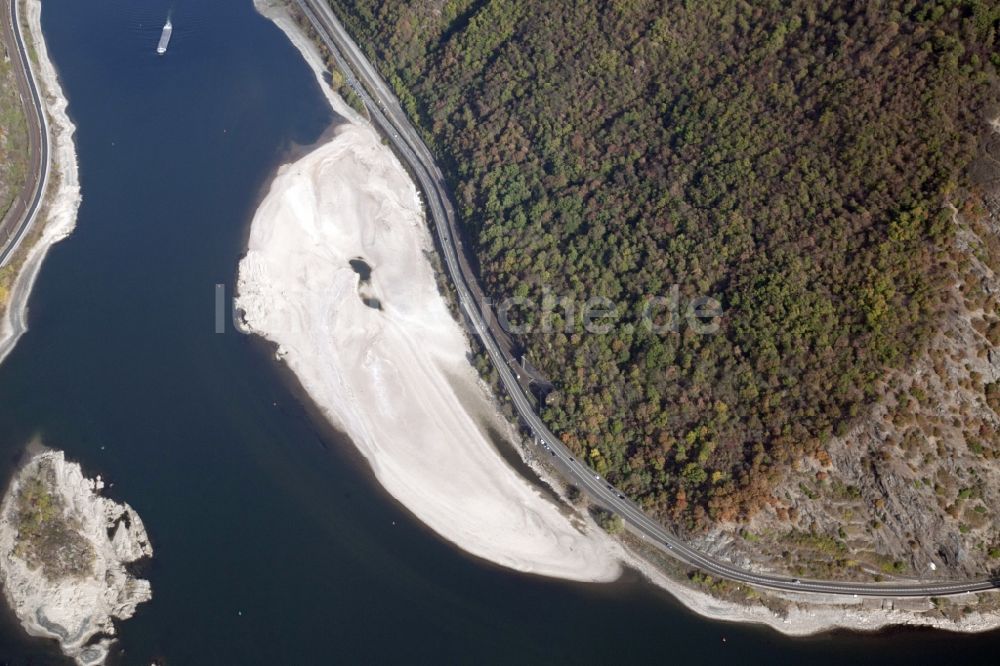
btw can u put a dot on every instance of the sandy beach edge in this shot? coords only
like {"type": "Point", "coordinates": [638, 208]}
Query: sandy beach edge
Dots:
{"type": "Point", "coordinates": [802, 616]}
{"type": "Point", "coordinates": [56, 218]}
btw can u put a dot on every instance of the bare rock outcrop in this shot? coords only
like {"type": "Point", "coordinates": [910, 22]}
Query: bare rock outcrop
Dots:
{"type": "Point", "coordinates": [63, 551]}
{"type": "Point", "coordinates": [909, 491]}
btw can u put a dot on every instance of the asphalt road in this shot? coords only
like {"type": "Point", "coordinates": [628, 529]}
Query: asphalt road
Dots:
{"type": "Point", "coordinates": [389, 117]}
{"type": "Point", "coordinates": [24, 209]}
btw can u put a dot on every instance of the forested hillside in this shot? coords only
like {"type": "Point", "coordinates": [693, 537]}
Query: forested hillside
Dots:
{"type": "Point", "coordinates": [790, 158]}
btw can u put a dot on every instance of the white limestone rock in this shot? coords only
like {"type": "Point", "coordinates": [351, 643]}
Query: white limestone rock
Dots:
{"type": "Point", "coordinates": [63, 551]}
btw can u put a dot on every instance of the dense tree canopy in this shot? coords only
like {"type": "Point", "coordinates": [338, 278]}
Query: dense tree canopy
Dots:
{"type": "Point", "coordinates": [789, 158]}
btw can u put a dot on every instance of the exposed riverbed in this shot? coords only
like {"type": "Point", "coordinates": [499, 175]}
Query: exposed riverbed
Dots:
{"type": "Point", "coordinates": [386, 361]}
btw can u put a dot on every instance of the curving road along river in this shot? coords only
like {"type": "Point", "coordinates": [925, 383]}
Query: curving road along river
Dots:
{"type": "Point", "coordinates": [388, 116]}
{"type": "Point", "coordinates": [24, 210]}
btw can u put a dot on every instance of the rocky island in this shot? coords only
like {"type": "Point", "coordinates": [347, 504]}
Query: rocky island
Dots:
{"type": "Point", "coordinates": [63, 555]}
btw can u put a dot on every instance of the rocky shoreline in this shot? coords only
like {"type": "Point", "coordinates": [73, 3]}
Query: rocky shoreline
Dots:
{"type": "Point", "coordinates": [56, 217]}
{"type": "Point", "coordinates": [63, 555]}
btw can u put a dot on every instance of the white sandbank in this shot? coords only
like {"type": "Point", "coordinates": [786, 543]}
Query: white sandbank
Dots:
{"type": "Point", "coordinates": [396, 379]}
{"type": "Point", "coordinates": [57, 213]}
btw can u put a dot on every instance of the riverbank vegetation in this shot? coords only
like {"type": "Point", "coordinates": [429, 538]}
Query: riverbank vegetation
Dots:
{"type": "Point", "coordinates": [45, 537]}
{"type": "Point", "coordinates": [13, 139]}
{"type": "Point", "coordinates": [790, 159]}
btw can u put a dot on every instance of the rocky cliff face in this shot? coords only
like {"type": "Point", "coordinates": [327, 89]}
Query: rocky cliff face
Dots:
{"type": "Point", "coordinates": [910, 491]}
{"type": "Point", "coordinates": [63, 551]}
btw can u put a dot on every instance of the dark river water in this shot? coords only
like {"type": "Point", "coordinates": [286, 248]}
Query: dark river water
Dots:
{"type": "Point", "coordinates": [273, 542]}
